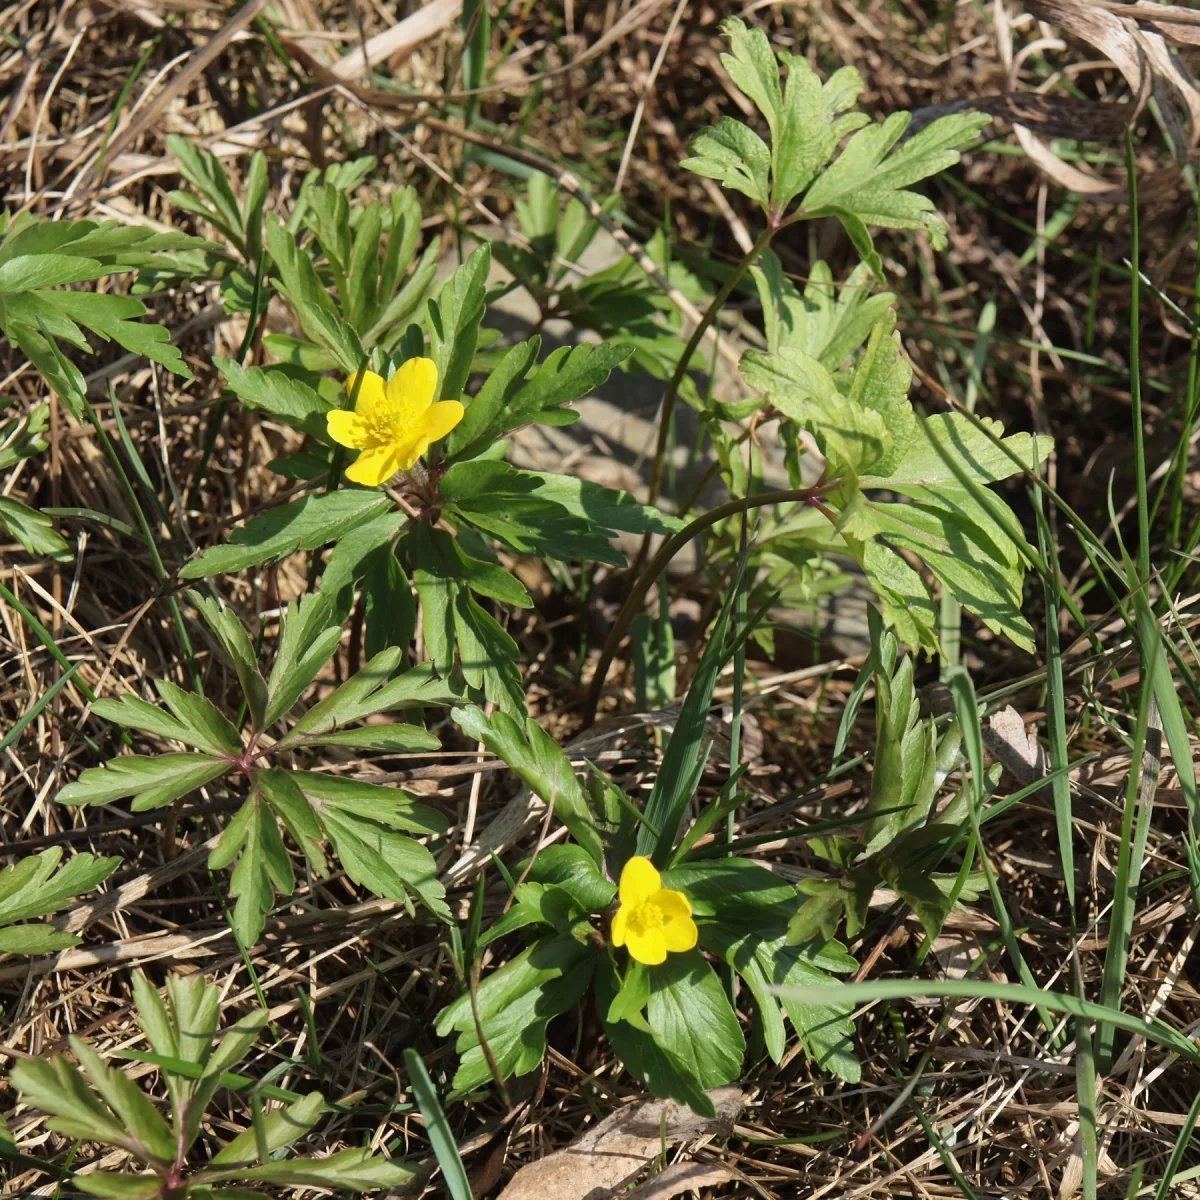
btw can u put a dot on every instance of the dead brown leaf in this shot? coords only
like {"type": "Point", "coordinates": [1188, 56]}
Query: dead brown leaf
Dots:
{"type": "Point", "coordinates": [680, 1178]}
{"type": "Point", "coordinates": [612, 1152]}
{"type": "Point", "coordinates": [1134, 38]}
{"type": "Point", "coordinates": [1014, 746]}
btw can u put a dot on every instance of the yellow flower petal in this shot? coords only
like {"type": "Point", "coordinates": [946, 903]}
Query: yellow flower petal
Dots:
{"type": "Point", "coordinates": [672, 903]}
{"type": "Point", "coordinates": [374, 466]}
{"type": "Point", "coordinates": [619, 925]}
{"type": "Point", "coordinates": [679, 933]}
{"type": "Point", "coordinates": [440, 418]}
{"type": "Point", "coordinates": [648, 946]}
{"type": "Point", "coordinates": [412, 388]}
{"type": "Point", "coordinates": [370, 394]}
{"type": "Point", "coordinates": [347, 428]}
{"type": "Point", "coordinates": [639, 881]}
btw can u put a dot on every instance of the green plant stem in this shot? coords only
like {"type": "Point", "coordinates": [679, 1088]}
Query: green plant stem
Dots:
{"type": "Point", "coordinates": [1191, 411]}
{"type": "Point", "coordinates": [657, 565]}
{"type": "Point", "coordinates": [1135, 367]}
{"type": "Point", "coordinates": [667, 407]}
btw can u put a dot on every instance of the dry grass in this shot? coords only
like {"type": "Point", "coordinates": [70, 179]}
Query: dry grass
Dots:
{"type": "Point", "coordinates": [1003, 1101]}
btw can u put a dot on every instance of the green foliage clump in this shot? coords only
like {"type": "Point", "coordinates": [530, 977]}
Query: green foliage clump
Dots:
{"type": "Point", "coordinates": [96, 1102]}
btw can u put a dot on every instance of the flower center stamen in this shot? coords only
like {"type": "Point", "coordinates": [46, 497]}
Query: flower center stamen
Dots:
{"type": "Point", "coordinates": [646, 918]}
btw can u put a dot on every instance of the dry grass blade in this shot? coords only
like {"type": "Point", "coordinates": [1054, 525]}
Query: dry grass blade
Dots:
{"type": "Point", "coordinates": [1051, 116]}
{"type": "Point", "coordinates": [1134, 40]}
{"type": "Point", "coordinates": [611, 1153]}
{"type": "Point", "coordinates": [201, 59]}
{"type": "Point", "coordinates": [397, 43]}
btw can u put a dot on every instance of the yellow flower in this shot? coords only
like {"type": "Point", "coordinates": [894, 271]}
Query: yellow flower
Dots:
{"type": "Point", "coordinates": [393, 423]}
{"type": "Point", "coordinates": [652, 919]}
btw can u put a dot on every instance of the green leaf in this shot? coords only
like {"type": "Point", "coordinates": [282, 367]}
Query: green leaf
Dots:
{"type": "Point", "coordinates": [687, 751]}
{"type": "Point", "coordinates": [557, 516]}
{"type": "Point", "coordinates": [59, 1089]}
{"type": "Point", "coordinates": [507, 401]}
{"type": "Point", "coordinates": [21, 436]}
{"type": "Point", "coordinates": [135, 713]}
{"type": "Point", "coordinates": [485, 413]}
{"type": "Point", "coordinates": [115, 318]}
{"type": "Point", "coordinates": [664, 1074]}
{"type": "Point", "coordinates": [280, 1128]}
{"type": "Point", "coordinates": [736, 157]}
{"type": "Point", "coordinates": [31, 888]}
{"type": "Point", "coordinates": [303, 524]}
{"type": "Point", "coordinates": [972, 554]}
{"type": "Point", "coordinates": [263, 867]}
{"type": "Point", "coordinates": [209, 728]}
{"type": "Point", "coordinates": [804, 133]}
{"type": "Point", "coordinates": [536, 904]}
{"type": "Point", "coordinates": [142, 1120]}
{"type": "Point", "coordinates": [865, 185]}
{"type": "Point", "coordinates": [28, 272]}
{"type": "Point", "coordinates": [734, 890]}
{"type": "Point", "coordinates": [515, 1004]}
{"type": "Point", "coordinates": [827, 322]}
{"type": "Point", "coordinates": [362, 695]}
{"type": "Point", "coordinates": [390, 806]}
{"type": "Point", "coordinates": [312, 304]}
{"type": "Point", "coordinates": [392, 739]}
{"type": "Point", "coordinates": [35, 939]}
{"type": "Point", "coordinates": [407, 300]}
{"type": "Point", "coordinates": [630, 1002]}
{"type": "Point", "coordinates": [349, 561]}
{"type": "Point", "coordinates": [950, 449]}
{"type": "Point", "coordinates": [825, 1030]}
{"type": "Point", "coordinates": [378, 858]}
{"type": "Point", "coordinates": [452, 619]}
{"type": "Point", "coordinates": [453, 322]}
{"type": "Point", "coordinates": [490, 579]}
{"type": "Point", "coordinates": [488, 656]}
{"type": "Point", "coordinates": [354, 1170]}
{"type": "Point", "coordinates": [685, 997]}
{"type": "Point", "coordinates": [872, 183]}
{"type": "Point", "coordinates": [308, 640]}
{"type": "Point", "coordinates": [203, 170]}
{"type": "Point", "coordinates": [235, 643]}
{"type": "Point", "coordinates": [391, 608]}
{"type": "Point", "coordinates": [152, 781]}
{"type": "Point", "coordinates": [120, 1186]}
{"type": "Point", "coordinates": [849, 435]}
{"type": "Point", "coordinates": [274, 391]}
{"type": "Point", "coordinates": [907, 605]}
{"type": "Point", "coordinates": [573, 869]}
{"type": "Point", "coordinates": [281, 790]}
{"type": "Point", "coordinates": [34, 531]}
{"type": "Point", "coordinates": [539, 762]}
{"type": "Point", "coordinates": [867, 427]}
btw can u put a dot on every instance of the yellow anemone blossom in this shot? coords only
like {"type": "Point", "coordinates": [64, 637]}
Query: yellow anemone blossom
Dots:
{"type": "Point", "coordinates": [652, 919]}
{"type": "Point", "coordinates": [393, 422]}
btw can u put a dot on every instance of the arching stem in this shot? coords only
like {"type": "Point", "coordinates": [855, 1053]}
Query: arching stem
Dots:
{"type": "Point", "coordinates": [657, 565]}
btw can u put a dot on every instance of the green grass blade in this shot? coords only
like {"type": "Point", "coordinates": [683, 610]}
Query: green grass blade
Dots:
{"type": "Point", "coordinates": [1085, 1098]}
{"type": "Point", "coordinates": [1179, 1150]}
{"type": "Point", "coordinates": [1153, 1030]}
{"type": "Point", "coordinates": [440, 1136]}
{"type": "Point", "coordinates": [1139, 797]}
{"type": "Point", "coordinates": [22, 723]}
{"type": "Point", "coordinates": [1135, 366]}
{"type": "Point", "coordinates": [963, 690]}
{"type": "Point", "coordinates": [1056, 704]}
